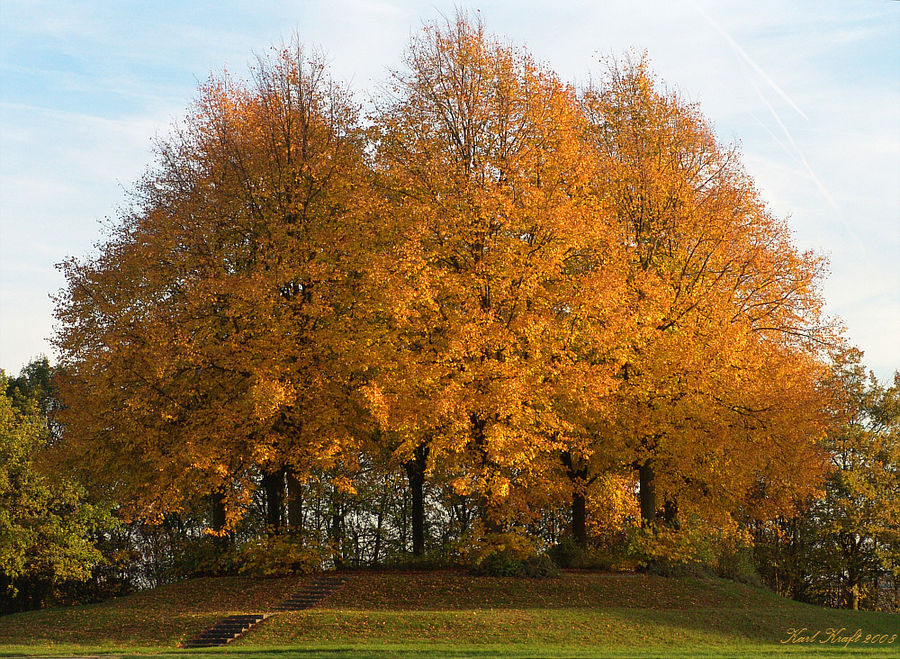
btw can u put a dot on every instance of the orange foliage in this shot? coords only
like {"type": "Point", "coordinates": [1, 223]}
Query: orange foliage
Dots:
{"type": "Point", "coordinates": [529, 291]}
{"type": "Point", "coordinates": [198, 347]}
{"type": "Point", "coordinates": [719, 390]}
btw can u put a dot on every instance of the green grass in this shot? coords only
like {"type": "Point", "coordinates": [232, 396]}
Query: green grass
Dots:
{"type": "Point", "coordinates": [448, 614]}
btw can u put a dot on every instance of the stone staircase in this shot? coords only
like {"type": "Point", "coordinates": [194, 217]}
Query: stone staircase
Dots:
{"type": "Point", "coordinates": [233, 627]}
{"type": "Point", "coordinates": [225, 631]}
{"type": "Point", "coordinates": [311, 594]}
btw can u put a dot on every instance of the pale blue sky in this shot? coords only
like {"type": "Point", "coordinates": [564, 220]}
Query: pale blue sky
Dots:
{"type": "Point", "coordinates": [810, 89]}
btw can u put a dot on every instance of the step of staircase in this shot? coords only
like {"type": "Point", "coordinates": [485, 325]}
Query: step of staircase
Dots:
{"type": "Point", "coordinates": [225, 631]}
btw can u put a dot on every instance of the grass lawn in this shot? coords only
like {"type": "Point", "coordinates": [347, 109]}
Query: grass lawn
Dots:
{"type": "Point", "coordinates": [449, 614]}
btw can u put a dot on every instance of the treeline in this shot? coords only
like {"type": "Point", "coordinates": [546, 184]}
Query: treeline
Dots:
{"type": "Point", "coordinates": [61, 545]}
{"type": "Point", "coordinates": [496, 320]}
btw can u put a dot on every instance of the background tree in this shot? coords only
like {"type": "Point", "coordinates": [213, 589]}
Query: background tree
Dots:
{"type": "Point", "coordinates": [860, 514]}
{"type": "Point", "coordinates": [841, 547]}
{"type": "Point", "coordinates": [856, 525]}
{"type": "Point", "coordinates": [46, 525]}
{"type": "Point", "coordinates": [35, 385]}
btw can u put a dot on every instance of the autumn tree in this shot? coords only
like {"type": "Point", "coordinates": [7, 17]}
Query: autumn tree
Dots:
{"type": "Point", "coordinates": [718, 389]}
{"type": "Point", "coordinates": [199, 343]}
{"type": "Point", "coordinates": [481, 168]}
{"type": "Point", "coordinates": [521, 293]}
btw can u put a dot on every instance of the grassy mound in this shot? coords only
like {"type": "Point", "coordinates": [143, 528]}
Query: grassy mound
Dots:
{"type": "Point", "coordinates": [577, 614]}
{"type": "Point", "coordinates": [152, 619]}
{"type": "Point", "coordinates": [453, 614]}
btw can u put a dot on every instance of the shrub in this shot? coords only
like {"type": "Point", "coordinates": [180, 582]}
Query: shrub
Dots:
{"type": "Point", "coordinates": [278, 555]}
{"type": "Point", "coordinates": [673, 552]}
{"type": "Point", "coordinates": [696, 550]}
{"type": "Point", "coordinates": [513, 546]}
{"type": "Point", "coordinates": [508, 555]}
{"type": "Point", "coordinates": [501, 563]}
{"type": "Point", "coordinates": [540, 566]}
{"type": "Point", "coordinates": [570, 555]}
{"type": "Point", "coordinates": [434, 559]}
{"type": "Point", "coordinates": [203, 557]}
{"type": "Point", "coordinates": [666, 568]}
{"type": "Point", "coordinates": [737, 563]}
{"type": "Point", "coordinates": [567, 554]}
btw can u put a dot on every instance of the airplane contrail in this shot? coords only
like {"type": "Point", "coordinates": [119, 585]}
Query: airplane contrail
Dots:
{"type": "Point", "coordinates": [797, 152]}
{"type": "Point", "coordinates": [818, 183]}
{"type": "Point", "coordinates": [762, 74]}
{"type": "Point", "coordinates": [740, 51]}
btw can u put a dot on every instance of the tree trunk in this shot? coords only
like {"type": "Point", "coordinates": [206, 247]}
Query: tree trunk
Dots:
{"type": "Point", "coordinates": [273, 485]}
{"type": "Point", "coordinates": [492, 525]}
{"type": "Point", "coordinates": [217, 519]}
{"type": "Point", "coordinates": [578, 478]}
{"type": "Point", "coordinates": [377, 550]}
{"type": "Point", "coordinates": [415, 474]}
{"type": "Point", "coordinates": [486, 510]}
{"type": "Point", "coordinates": [647, 494]}
{"type": "Point", "coordinates": [670, 513]}
{"type": "Point", "coordinates": [853, 577]}
{"type": "Point", "coordinates": [294, 503]}
{"type": "Point", "coordinates": [217, 511]}
{"type": "Point", "coordinates": [336, 533]}
{"type": "Point", "coordinates": [579, 518]}
{"type": "Point", "coordinates": [404, 522]}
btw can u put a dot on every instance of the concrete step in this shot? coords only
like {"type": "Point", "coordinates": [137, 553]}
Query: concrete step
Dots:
{"type": "Point", "coordinates": [233, 627]}
{"type": "Point", "coordinates": [311, 594]}
{"type": "Point", "coordinates": [225, 631]}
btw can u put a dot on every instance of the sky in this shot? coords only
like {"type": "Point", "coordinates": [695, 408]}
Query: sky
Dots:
{"type": "Point", "coordinates": [810, 90]}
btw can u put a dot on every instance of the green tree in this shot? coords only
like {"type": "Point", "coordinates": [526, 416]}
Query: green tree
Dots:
{"type": "Point", "coordinates": [45, 523]}
{"type": "Point", "coordinates": [857, 522]}
{"type": "Point", "coordinates": [842, 548]}
{"type": "Point", "coordinates": [34, 384]}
